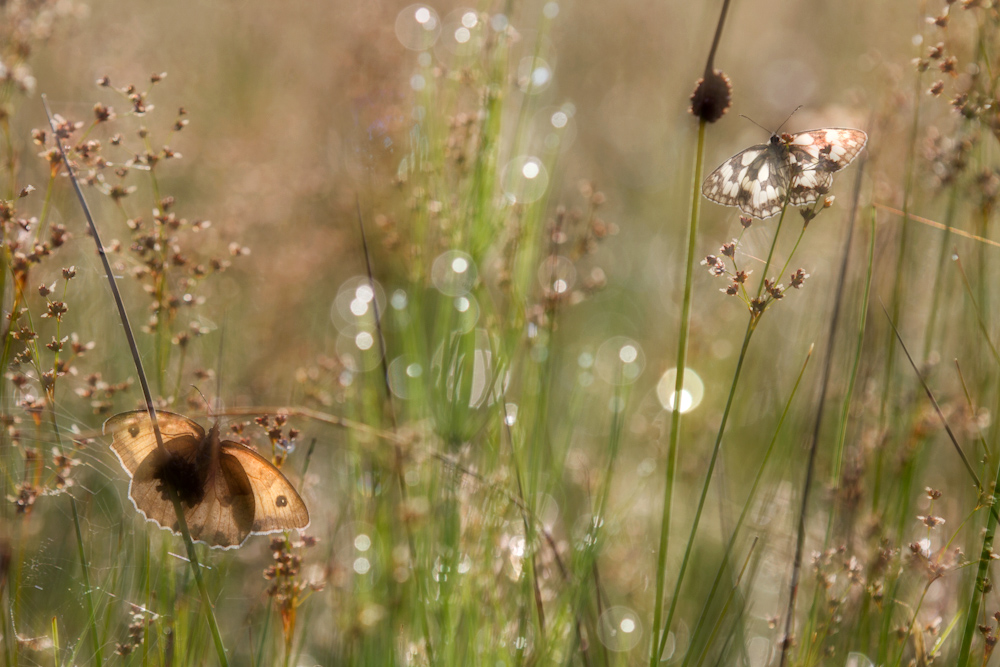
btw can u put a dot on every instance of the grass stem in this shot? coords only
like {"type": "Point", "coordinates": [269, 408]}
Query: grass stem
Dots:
{"type": "Point", "coordinates": [675, 415]}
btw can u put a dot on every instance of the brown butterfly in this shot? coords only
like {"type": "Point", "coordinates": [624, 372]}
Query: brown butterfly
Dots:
{"type": "Point", "coordinates": [228, 491]}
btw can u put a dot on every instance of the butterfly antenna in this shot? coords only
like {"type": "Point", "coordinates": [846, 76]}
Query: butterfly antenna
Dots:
{"type": "Point", "coordinates": [122, 314]}
{"type": "Point", "coordinates": [208, 406]}
{"type": "Point", "coordinates": [218, 371]}
{"type": "Point", "coordinates": [757, 124]}
{"type": "Point", "coordinates": [788, 119]}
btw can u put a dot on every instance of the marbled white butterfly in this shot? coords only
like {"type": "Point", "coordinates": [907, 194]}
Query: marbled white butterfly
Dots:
{"type": "Point", "coordinates": [799, 165]}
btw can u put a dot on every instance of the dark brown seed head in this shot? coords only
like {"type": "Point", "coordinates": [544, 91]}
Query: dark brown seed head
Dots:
{"type": "Point", "coordinates": [712, 97]}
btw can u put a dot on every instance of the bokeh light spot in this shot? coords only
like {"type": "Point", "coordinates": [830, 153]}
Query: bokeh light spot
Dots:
{"type": "Point", "coordinates": [453, 273]}
{"type": "Point", "coordinates": [417, 27]}
{"type": "Point", "coordinates": [524, 180]}
{"type": "Point", "coordinates": [619, 629]}
{"type": "Point", "coordinates": [692, 392]}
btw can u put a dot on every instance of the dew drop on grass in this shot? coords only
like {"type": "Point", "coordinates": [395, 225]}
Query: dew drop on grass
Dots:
{"type": "Point", "coordinates": [353, 307]}
{"type": "Point", "coordinates": [357, 349]}
{"type": "Point", "coordinates": [464, 565]}
{"type": "Point", "coordinates": [691, 393]}
{"type": "Point", "coordinates": [462, 37]}
{"type": "Point", "coordinates": [858, 660]}
{"type": "Point", "coordinates": [557, 274]}
{"type": "Point", "coordinates": [403, 373]}
{"type": "Point", "coordinates": [510, 414]}
{"type": "Point", "coordinates": [362, 565]}
{"type": "Point", "coordinates": [620, 361]}
{"type": "Point", "coordinates": [418, 27]}
{"type": "Point", "coordinates": [619, 629]}
{"type": "Point", "coordinates": [468, 313]}
{"type": "Point", "coordinates": [454, 273]}
{"type": "Point", "coordinates": [358, 307]}
{"type": "Point", "coordinates": [364, 341]}
{"type": "Point", "coordinates": [533, 75]}
{"type": "Point", "coordinates": [524, 180]}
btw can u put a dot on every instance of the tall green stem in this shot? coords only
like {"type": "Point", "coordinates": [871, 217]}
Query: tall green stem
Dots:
{"type": "Point", "coordinates": [675, 417]}
{"type": "Point", "coordinates": [751, 326]}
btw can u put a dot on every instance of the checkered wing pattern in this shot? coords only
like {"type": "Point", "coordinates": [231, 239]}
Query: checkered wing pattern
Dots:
{"type": "Point", "coordinates": [813, 158]}
{"type": "Point", "coordinates": [800, 166]}
{"type": "Point", "coordinates": [755, 180]}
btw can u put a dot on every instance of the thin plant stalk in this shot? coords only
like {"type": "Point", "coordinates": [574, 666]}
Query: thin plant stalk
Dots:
{"type": "Point", "coordinates": [814, 445]}
{"type": "Point", "coordinates": [751, 326]}
{"type": "Point", "coordinates": [746, 505]}
{"type": "Point", "coordinates": [675, 417]}
{"type": "Point", "coordinates": [134, 349]}
{"type": "Point", "coordinates": [859, 344]}
{"type": "Point", "coordinates": [975, 307]}
{"type": "Point", "coordinates": [725, 607]}
{"type": "Point", "coordinates": [936, 295]}
{"type": "Point", "coordinates": [985, 557]}
{"type": "Point", "coordinates": [88, 594]}
{"type": "Point", "coordinates": [411, 542]}
{"type": "Point", "coordinates": [774, 244]}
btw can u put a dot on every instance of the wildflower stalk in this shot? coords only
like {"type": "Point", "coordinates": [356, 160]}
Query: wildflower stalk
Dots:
{"type": "Point", "coordinates": [770, 253]}
{"type": "Point", "coordinates": [675, 416]}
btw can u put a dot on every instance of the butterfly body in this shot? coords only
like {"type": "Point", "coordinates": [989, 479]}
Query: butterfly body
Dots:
{"type": "Point", "coordinates": [227, 491]}
{"type": "Point", "coordinates": [798, 168]}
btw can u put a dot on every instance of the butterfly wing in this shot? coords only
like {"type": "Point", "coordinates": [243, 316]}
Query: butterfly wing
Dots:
{"type": "Point", "coordinates": [757, 179]}
{"type": "Point", "coordinates": [814, 156]}
{"type": "Point", "coordinates": [828, 150]}
{"type": "Point", "coordinates": [224, 518]}
{"type": "Point", "coordinates": [754, 179]}
{"type": "Point", "coordinates": [278, 506]}
{"type": "Point", "coordinates": [134, 439]}
{"type": "Point", "coordinates": [809, 186]}
{"type": "Point", "coordinates": [216, 497]}
{"type": "Point", "coordinates": [724, 184]}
